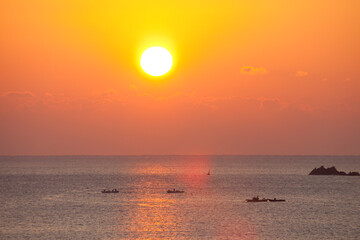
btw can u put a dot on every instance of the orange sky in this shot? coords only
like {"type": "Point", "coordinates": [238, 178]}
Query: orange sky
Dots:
{"type": "Point", "coordinates": [249, 77]}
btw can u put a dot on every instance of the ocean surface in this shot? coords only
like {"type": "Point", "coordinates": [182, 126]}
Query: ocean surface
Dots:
{"type": "Point", "coordinates": [59, 197]}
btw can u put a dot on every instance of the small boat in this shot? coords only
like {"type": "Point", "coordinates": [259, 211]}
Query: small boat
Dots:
{"type": "Point", "coordinates": [276, 200]}
{"type": "Point", "coordinates": [110, 191]}
{"type": "Point", "coordinates": [174, 191]}
{"type": "Point", "coordinates": [257, 199]}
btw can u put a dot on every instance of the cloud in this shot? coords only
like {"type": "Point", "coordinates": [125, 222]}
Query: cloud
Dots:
{"type": "Point", "coordinates": [18, 94]}
{"type": "Point", "coordinates": [102, 97]}
{"type": "Point", "coordinates": [106, 93]}
{"type": "Point", "coordinates": [301, 74]}
{"type": "Point", "coordinates": [253, 70]}
{"type": "Point", "coordinates": [47, 94]}
{"type": "Point", "coordinates": [133, 87]}
{"type": "Point", "coordinates": [308, 108]}
{"type": "Point", "coordinates": [270, 103]}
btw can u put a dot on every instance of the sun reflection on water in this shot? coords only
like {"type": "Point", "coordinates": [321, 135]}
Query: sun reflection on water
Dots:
{"type": "Point", "coordinates": [154, 214]}
{"type": "Point", "coordinates": [154, 217]}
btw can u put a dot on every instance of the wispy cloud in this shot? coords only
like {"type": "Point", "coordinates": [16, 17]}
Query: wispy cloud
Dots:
{"type": "Point", "coordinates": [271, 103]}
{"type": "Point", "coordinates": [105, 93]}
{"type": "Point", "coordinates": [18, 94]}
{"type": "Point", "coordinates": [301, 74]}
{"type": "Point", "coordinates": [249, 70]}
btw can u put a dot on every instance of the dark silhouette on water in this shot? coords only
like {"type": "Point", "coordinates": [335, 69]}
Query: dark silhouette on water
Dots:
{"type": "Point", "coordinates": [276, 200]}
{"type": "Point", "coordinates": [331, 171]}
{"type": "Point", "coordinates": [174, 191]}
{"type": "Point", "coordinates": [110, 191]}
{"type": "Point", "coordinates": [257, 199]}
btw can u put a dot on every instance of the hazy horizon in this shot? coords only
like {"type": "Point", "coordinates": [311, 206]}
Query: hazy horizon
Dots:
{"type": "Point", "coordinates": [259, 77]}
{"type": "Point", "coordinates": [125, 155]}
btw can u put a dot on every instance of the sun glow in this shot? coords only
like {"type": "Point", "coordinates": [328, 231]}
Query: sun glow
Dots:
{"type": "Point", "coordinates": [156, 61]}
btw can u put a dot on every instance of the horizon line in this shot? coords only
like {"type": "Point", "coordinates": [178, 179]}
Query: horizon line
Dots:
{"type": "Point", "coordinates": [129, 155]}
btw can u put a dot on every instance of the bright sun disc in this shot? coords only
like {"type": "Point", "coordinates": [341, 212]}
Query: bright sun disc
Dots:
{"type": "Point", "coordinates": [156, 61]}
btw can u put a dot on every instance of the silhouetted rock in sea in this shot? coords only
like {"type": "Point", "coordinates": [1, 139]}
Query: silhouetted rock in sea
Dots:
{"type": "Point", "coordinates": [331, 171]}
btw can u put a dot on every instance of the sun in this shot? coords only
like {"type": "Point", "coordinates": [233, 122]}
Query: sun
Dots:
{"type": "Point", "coordinates": [156, 61]}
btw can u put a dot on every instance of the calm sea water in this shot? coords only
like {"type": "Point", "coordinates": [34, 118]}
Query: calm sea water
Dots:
{"type": "Point", "coordinates": [58, 197]}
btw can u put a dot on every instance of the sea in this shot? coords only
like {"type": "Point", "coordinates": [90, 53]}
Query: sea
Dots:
{"type": "Point", "coordinates": [59, 197]}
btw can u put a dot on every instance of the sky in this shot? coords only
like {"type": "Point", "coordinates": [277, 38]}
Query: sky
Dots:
{"type": "Point", "coordinates": [248, 77]}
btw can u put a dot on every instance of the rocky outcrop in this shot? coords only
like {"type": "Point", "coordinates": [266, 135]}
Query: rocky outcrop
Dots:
{"type": "Point", "coordinates": [331, 171]}
{"type": "Point", "coordinates": [353, 174]}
